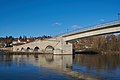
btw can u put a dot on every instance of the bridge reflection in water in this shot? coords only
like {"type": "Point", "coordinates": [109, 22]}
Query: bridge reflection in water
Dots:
{"type": "Point", "coordinates": [34, 67]}
{"type": "Point", "coordinates": [57, 62]}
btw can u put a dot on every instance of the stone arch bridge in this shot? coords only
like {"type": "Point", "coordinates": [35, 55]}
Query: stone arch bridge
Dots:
{"type": "Point", "coordinates": [53, 45]}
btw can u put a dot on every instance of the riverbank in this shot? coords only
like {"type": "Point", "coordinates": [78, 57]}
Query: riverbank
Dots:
{"type": "Point", "coordinates": [96, 52]}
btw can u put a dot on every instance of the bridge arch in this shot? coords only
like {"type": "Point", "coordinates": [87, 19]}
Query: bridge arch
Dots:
{"type": "Point", "coordinates": [49, 49]}
{"type": "Point", "coordinates": [28, 49]}
{"type": "Point", "coordinates": [22, 49]}
{"type": "Point", "coordinates": [17, 49]}
{"type": "Point", "coordinates": [36, 49]}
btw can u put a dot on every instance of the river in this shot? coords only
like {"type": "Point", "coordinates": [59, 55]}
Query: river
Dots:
{"type": "Point", "coordinates": [51, 67]}
{"type": "Point", "coordinates": [103, 66]}
{"type": "Point", "coordinates": [34, 67]}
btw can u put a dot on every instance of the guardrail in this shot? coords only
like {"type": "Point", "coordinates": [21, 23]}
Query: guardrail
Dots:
{"type": "Point", "coordinates": [90, 27]}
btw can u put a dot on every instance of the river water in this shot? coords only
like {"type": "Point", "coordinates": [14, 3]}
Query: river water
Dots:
{"type": "Point", "coordinates": [34, 67]}
{"type": "Point", "coordinates": [50, 67]}
{"type": "Point", "coordinates": [103, 66]}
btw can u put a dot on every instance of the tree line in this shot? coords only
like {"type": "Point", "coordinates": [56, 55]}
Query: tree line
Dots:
{"type": "Point", "coordinates": [109, 42]}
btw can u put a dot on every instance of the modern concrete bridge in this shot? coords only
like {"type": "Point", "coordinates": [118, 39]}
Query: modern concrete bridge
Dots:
{"type": "Point", "coordinates": [61, 45]}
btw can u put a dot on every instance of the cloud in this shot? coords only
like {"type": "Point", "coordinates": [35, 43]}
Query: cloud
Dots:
{"type": "Point", "coordinates": [57, 24]}
{"type": "Point", "coordinates": [75, 27]}
{"type": "Point", "coordinates": [102, 20]}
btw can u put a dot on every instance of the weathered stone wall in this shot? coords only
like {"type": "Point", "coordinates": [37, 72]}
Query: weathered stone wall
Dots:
{"type": "Point", "coordinates": [60, 47]}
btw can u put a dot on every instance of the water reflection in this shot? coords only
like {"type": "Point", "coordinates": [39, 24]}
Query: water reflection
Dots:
{"type": "Point", "coordinates": [105, 66]}
{"type": "Point", "coordinates": [105, 62]}
{"type": "Point", "coordinates": [34, 67]}
{"type": "Point", "coordinates": [58, 62]}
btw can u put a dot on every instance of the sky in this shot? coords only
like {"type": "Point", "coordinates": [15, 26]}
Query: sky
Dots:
{"type": "Point", "coordinates": [53, 17]}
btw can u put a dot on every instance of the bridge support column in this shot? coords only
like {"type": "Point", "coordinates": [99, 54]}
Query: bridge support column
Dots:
{"type": "Point", "coordinates": [64, 49]}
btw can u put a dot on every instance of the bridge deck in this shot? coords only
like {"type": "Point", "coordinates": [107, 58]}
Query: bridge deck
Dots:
{"type": "Point", "coordinates": [93, 28]}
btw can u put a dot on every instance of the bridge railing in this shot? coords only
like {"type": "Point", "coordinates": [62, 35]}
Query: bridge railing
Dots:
{"type": "Point", "coordinates": [90, 27]}
{"type": "Point", "coordinates": [106, 24]}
